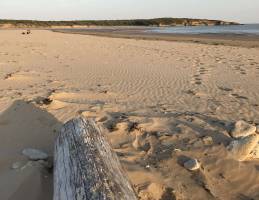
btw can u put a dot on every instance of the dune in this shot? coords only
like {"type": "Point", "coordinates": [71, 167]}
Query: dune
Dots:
{"type": "Point", "coordinates": [160, 104]}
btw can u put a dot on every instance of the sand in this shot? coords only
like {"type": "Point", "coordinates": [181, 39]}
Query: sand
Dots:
{"type": "Point", "coordinates": [144, 33]}
{"type": "Point", "coordinates": [157, 101]}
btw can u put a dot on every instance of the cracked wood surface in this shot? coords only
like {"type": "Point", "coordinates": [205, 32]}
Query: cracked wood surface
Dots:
{"type": "Point", "coordinates": [85, 167]}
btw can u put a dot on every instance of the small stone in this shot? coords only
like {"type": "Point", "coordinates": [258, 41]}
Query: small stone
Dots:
{"type": "Point", "coordinates": [207, 140]}
{"type": "Point", "coordinates": [257, 129]}
{"type": "Point", "coordinates": [148, 166]}
{"type": "Point", "coordinates": [16, 165]}
{"type": "Point", "coordinates": [242, 129]}
{"type": "Point", "coordinates": [192, 164]}
{"type": "Point", "coordinates": [241, 149]}
{"type": "Point", "coordinates": [35, 154]}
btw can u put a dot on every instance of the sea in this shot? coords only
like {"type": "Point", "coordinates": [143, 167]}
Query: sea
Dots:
{"type": "Point", "coordinates": [246, 29]}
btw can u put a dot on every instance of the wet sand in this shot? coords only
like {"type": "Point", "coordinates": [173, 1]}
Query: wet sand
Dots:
{"type": "Point", "coordinates": [242, 40]}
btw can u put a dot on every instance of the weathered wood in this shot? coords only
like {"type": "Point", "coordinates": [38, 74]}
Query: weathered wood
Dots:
{"type": "Point", "coordinates": [85, 167]}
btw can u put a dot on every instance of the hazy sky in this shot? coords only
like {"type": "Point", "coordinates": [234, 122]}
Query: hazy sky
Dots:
{"type": "Point", "coordinates": [245, 11]}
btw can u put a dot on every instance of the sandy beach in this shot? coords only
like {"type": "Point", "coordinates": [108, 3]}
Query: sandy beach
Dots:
{"type": "Point", "coordinates": [161, 103]}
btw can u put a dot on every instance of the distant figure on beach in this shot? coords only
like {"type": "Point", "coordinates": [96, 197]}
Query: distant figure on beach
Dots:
{"type": "Point", "coordinates": [26, 32]}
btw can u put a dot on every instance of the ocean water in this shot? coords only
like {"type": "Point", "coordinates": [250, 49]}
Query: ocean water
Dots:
{"type": "Point", "coordinates": [246, 29]}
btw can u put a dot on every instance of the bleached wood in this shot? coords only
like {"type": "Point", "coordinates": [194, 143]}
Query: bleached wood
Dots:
{"type": "Point", "coordinates": [85, 167]}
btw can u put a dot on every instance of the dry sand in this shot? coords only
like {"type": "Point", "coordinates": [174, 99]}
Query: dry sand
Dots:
{"type": "Point", "coordinates": [168, 95]}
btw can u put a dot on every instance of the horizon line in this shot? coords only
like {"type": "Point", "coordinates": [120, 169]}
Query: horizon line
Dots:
{"type": "Point", "coordinates": [119, 19]}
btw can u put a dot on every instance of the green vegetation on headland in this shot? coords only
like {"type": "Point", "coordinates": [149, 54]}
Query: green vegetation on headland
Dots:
{"type": "Point", "coordinates": [134, 22]}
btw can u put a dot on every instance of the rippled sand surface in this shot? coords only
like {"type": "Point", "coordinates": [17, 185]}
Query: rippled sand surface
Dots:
{"type": "Point", "coordinates": [172, 94]}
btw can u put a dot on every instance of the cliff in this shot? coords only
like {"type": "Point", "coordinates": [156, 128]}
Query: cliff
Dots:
{"type": "Point", "coordinates": [134, 22]}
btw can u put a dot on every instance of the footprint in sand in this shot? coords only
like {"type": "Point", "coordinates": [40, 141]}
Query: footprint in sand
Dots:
{"type": "Point", "coordinates": [198, 82]}
{"type": "Point", "coordinates": [253, 63]}
{"type": "Point", "coordinates": [19, 76]}
{"type": "Point", "coordinates": [198, 77]}
{"type": "Point", "coordinates": [219, 60]}
{"type": "Point", "coordinates": [239, 96]}
{"type": "Point", "coordinates": [236, 68]}
{"type": "Point", "coordinates": [190, 92]}
{"type": "Point", "coordinates": [240, 70]}
{"type": "Point", "coordinates": [4, 53]}
{"type": "Point", "coordinates": [12, 61]}
{"type": "Point", "coordinates": [202, 71]}
{"type": "Point", "coordinates": [225, 89]}
{"type": "Point", "coordinates": [7, 76]}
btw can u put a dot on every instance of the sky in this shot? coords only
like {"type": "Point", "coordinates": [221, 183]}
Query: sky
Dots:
{"type": "Point", "coordinates": [243, 11]}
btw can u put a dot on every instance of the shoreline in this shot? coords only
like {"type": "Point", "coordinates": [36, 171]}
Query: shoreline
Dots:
{"type": "Point", "coordinates": [237, 40]}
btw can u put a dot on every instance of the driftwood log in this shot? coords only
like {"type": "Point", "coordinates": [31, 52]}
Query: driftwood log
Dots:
{"type": "Point", "coordinates": [85, 167]}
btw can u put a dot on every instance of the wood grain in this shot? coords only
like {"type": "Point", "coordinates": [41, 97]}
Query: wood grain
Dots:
{"type": "Point", "coordinates": [85, 167]}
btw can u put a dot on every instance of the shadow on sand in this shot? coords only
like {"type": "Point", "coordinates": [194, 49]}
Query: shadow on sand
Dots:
{"type": "Point", "coordinates": [24, 125]}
